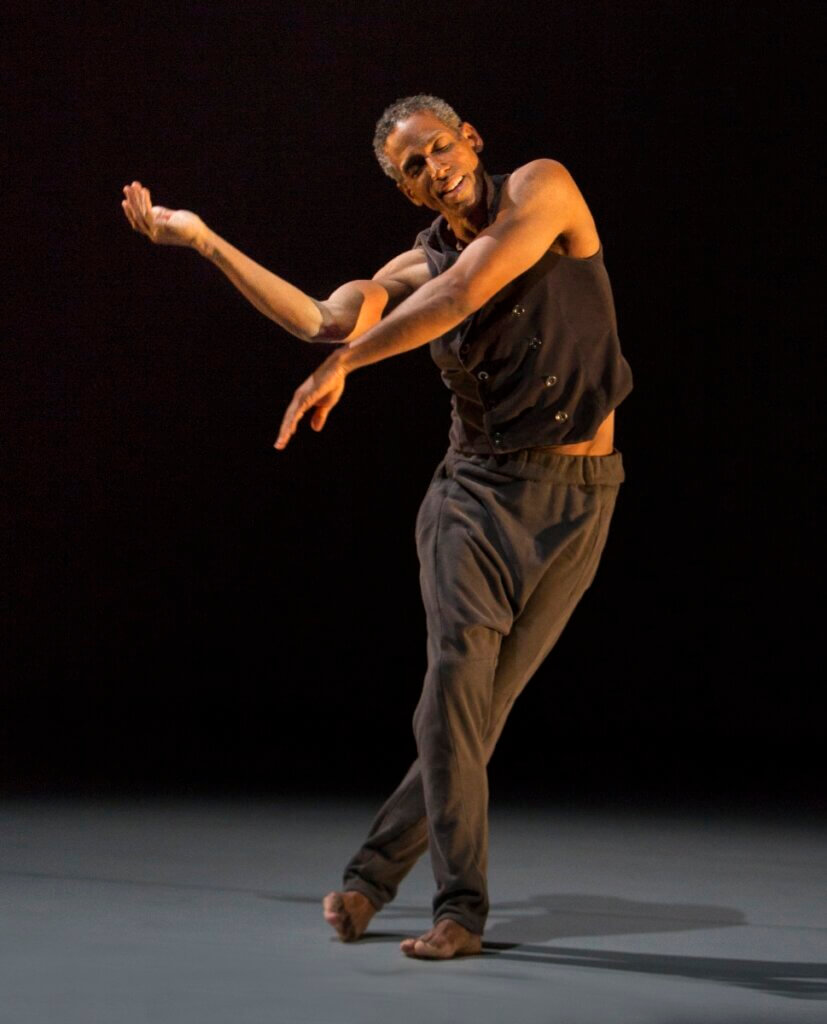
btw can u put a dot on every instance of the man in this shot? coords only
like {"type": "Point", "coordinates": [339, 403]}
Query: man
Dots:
{"type": "Point", "coordinates": [508, 286]}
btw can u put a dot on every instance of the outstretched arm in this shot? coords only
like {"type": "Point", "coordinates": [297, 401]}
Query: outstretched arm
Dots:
{"type": "Point", "coordinates": [351, 310]}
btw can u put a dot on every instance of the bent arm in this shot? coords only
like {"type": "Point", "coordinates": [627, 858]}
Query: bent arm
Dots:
{"type": "Point", "coordinates": [356, 307]}
{"type": "Point", "coordinates": [544, 204]}
{"type": "Point", "coordinates": [351, 310]}
{"type": "Point", "coordinates": [271, 295]}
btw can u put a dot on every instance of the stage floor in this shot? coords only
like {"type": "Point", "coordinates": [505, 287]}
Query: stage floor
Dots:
{"type": "Point", "coordinates": [209, 911]}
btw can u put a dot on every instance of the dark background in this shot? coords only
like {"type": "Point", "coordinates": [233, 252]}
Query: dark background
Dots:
{"type": "Point", "coordinates": [188, 610]}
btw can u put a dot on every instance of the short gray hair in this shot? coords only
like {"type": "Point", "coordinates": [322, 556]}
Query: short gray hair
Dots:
{"type": "Point", "coordinates": [401, 109]}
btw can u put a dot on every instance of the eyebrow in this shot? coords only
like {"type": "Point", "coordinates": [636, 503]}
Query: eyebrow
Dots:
{"type": "Point", "coordinates": [418, 158]}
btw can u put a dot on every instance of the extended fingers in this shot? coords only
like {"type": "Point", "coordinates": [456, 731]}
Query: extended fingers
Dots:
{"type": "Point", "coordinates": [297, 408]}
{"type": "Point", "coordinates": [323, 407]}
{"type": "Point", "coordinates": [129, 209]}
{"type": "Point", "coordinates": [130, 216]}
{"type": "Point", "coordinates": [146, 209]}
{"type": "Point", "coordinates": [138, 209]}
{"type": "Point", "coordinates": [320, 391]}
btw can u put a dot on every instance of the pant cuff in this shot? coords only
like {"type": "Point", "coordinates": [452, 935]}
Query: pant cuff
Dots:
{"type": "Point", "coordinates": [475, 927]}
{"type": "Point", "coordinates": [359, 885]}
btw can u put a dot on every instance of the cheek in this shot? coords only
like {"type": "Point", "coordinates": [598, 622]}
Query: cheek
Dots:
{"type": "Point", "coordinates": [412, 193]}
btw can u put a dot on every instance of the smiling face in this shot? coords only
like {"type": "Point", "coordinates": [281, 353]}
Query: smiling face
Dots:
{"type": "Point", "coordinates": [437, 166]}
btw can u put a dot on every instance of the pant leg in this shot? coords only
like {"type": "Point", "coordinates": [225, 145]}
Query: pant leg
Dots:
{"type": "Point", "coordinates": [466, 615]}
{"type": "Point", "coordinates": [547, 610]}
{"type": "Point", "coordinates": [478, 663]}
{"type": "Point", "coordinates": [466, 592]}
{"type": "Point", "coordinates": [397, 838]}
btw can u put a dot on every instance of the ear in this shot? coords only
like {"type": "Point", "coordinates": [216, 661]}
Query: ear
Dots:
{"type": "Point", "coordinates": [471, 135]}
{"type": "Point", "coordinates": [403, 188]}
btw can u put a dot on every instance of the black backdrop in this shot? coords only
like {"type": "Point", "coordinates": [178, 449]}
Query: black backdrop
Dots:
{"type": "Point", "coordinates": [188, 610]}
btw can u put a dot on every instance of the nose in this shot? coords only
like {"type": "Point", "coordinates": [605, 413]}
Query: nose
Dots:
{"type": "Point", "coordinates": [436, 168]}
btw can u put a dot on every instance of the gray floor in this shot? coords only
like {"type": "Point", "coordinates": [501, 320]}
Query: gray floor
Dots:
{"type": "Point", "coordinates": [209, 912]}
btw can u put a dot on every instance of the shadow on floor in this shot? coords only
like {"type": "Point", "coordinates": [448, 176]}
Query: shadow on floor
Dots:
{"type": "Point", "coordinates": [547, 917]}
{"type": "Point", "coordinates": [780, 978]}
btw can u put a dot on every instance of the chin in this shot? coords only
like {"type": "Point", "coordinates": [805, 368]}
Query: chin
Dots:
{"type": "Point", "coordinates": [469, 199]}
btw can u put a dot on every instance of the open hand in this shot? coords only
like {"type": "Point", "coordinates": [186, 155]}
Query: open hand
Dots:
{"type": "Point", "coordinates": [322, 390]}
{"type": "Point", "coordinates": [160, 225]}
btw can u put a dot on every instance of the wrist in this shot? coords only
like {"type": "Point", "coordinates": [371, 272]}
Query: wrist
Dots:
{"type": "Point", "coordinates": [204, 242]}
{"type": "Point", "coordinates": [342, 358]}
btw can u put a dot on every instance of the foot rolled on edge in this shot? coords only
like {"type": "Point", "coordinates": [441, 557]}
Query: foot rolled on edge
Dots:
{"type": "Point", "coordinates": [349, 913]}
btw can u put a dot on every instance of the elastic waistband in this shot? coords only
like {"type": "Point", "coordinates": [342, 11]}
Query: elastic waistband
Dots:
{"type": "Point", "coordinates": [541, 464]}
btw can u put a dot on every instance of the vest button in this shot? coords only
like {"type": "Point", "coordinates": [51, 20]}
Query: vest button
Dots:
{"type": "Point", "coordinates": [550, 380]}
{"type": "Point", "coordinates": [497, 438]}
{"type": "Point", "coordinates": [561, 416]}
{"type": "Point", "coordinates": [482, 375]}
{"type": "Point", "coordinates": [518, 310]}
{"type": "Point", "coordinates": [535, 342]}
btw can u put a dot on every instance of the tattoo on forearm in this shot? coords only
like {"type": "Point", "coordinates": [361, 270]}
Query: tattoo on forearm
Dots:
{"type": "Point", "coordinates": [217, 258]}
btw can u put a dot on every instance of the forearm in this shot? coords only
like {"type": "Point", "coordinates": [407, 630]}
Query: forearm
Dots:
{"type": "Point", "coordinates": [436, 307]}
{"type": "Point", "coordinates": [432, 310]}
{"type": "Point", "coordinates": [276, 298]}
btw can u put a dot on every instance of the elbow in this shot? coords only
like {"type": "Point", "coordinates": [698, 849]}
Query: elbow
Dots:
{"type": "Point", "coordinates": [350, 311]}
{"type": "Point", "coordinates": [324, 326]}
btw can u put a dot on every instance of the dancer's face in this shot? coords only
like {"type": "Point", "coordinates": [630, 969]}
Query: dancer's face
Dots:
{"type": "Point", "coordinates": [437, 166]}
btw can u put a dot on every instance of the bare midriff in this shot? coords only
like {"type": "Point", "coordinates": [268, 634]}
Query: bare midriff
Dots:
{"type": "Point", "coordinates": [601, 444]}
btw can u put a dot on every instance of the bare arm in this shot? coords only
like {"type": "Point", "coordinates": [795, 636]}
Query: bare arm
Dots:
{"type": "Point", "coordinates": [544, 204]}
{"type": "Point", "coordinates": [351, 310]}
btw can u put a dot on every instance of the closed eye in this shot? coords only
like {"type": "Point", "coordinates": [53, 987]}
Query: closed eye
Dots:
{"type": "Point", "coordinates": [416, 163]}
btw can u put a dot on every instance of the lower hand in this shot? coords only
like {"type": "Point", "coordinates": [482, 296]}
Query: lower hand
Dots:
{"type": "Point", "coordinates": [160, 225]}
{"type": "Point", "coordinates": [321, 391]}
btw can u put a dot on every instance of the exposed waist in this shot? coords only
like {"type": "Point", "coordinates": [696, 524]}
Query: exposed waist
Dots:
{"type": "Point", "coordinates": [601, 444]}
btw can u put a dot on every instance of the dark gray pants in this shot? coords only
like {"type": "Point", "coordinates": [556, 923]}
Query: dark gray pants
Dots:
{"type": "Point", "coordinates": [507, 546]}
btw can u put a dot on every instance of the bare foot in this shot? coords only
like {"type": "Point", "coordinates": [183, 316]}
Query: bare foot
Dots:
{"type": "Point", "coordinates": [446, 939]}
{"type": "Point", "coordinates": [349, 913]}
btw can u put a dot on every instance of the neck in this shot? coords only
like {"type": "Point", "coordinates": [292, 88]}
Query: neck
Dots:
{"type": "Point", "coordinates": [467, 225]}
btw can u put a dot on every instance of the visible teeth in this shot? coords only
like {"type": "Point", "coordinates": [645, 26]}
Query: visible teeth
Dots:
{"type": "Point", "coordinates": [453, 184]}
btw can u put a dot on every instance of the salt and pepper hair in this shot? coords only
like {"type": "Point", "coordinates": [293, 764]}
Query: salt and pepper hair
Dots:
{"type": "Point", "coordinates": [402, 109]}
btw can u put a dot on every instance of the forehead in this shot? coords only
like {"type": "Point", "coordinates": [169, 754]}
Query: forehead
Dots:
{"type": "Point", "coordinates": [413, 133]}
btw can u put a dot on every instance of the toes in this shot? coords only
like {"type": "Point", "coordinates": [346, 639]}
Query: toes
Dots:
{"type": "Point", "coordinates": [333, 903]}
{"type": "Point", "coordinates": [336, 915]}
{"type": "Point", "coordinates": [438, 945]}
{"type": "Point", "coordinates": [422, 948]}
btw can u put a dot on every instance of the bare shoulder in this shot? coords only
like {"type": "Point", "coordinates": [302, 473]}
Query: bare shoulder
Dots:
{"type": "Point", "coordinates": [543, 190]}
{"type": "Point", "coordinates": [541, 179]}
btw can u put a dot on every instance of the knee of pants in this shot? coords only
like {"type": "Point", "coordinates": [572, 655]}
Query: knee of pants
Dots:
{"type": "Point", "coordinates": [456, 699]}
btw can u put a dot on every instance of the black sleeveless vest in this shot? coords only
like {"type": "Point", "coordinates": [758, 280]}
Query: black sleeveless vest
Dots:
{"type": "Point", "coordinates": [540, 362]}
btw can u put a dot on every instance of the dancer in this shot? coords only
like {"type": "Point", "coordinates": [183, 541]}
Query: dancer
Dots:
{"type": "Point", "coordinates": [509, 287]}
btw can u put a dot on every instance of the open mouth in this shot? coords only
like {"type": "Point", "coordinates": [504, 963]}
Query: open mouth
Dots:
{"type": "Point", "coordinates": [453, 185]}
